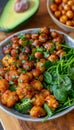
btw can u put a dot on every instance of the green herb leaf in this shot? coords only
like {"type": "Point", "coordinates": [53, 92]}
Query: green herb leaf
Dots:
{"type": "Point", "coordinates": [47, 64]}
{"type": "Point", "coordinates": [11, 82]}
{"type": "Point", "coordinates": [13, 87]}
{"type": "Point", "coordinates": [31, 57]}
{"type": "Point", "coordinates": [46, 54]}
{"type": "Point", "coordinates": [48, 111]}
{"type": "Point", "coordinates": [39, 49]}
{"type": "Point", "coordinates": [22, 36]}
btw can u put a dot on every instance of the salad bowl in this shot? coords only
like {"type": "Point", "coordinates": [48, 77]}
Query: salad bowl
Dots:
{"type": "Point", "coordinates": [11, 111]}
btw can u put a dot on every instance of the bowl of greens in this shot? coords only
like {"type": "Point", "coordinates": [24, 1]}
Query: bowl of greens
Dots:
{"type": "Point", "coordinates": [36, 74]}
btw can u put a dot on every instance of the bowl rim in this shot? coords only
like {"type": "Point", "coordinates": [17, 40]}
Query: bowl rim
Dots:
{"type": "Point", "coordinates": [17, 114]}
{"type": "Point", "coordinates": [51, 14]}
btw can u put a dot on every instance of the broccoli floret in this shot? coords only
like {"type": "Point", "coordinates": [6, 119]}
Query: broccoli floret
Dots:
{"type": "Point", "coordinates": [24, 106]}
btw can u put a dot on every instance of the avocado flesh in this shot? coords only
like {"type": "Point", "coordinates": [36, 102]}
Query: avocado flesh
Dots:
{"type": "Point", "coordinates": [10, 19]}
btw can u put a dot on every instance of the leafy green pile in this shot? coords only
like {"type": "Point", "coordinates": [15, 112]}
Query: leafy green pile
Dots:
{"type": "Point", "coordinates": [59, 79]}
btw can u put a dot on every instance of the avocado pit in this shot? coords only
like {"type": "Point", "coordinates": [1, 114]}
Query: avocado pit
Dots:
{"type": "Point", "coordinates": [21, 5]}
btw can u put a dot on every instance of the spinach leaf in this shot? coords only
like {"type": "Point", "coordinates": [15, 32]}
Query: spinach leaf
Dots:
{"type": "Point", "coordinates": [71, 73]}
{"type": "Point", "coordinates": [71, 93]}
{"type": "Point", "coordinates": [53, 87]}
{"type": "Point", "coordinates": [60, 94]}
{"type": "Point", "coordinates": [47, 77]}
{"type": "Point", "coordinates": [66, 82]}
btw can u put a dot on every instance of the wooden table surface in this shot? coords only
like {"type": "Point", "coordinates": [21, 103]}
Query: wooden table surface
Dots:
{"type": "Point", "coordinates": [63, 123]}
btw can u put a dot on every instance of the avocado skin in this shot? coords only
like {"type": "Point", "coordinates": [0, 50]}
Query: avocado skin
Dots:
{"type": "Point", "coordinates": [20, 25]}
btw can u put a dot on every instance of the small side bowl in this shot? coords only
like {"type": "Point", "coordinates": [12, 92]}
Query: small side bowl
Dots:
{"type": "Point", "coordinates": [11, 111]}
{"type": "Point", "coordinates": [56, 21]}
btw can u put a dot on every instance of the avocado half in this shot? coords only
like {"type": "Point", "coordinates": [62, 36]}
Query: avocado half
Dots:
{"type": "Point", "coordinates": [10, 20]}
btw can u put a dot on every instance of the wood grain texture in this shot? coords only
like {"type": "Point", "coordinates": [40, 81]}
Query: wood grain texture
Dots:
{"type": "Point", "coordinates": [66, 122]}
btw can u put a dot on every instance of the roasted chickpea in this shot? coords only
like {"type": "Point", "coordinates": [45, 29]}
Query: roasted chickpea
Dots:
{"type": "Point", "coordinates": [25, 90]}
{"type": "Point", "coordinates": [54, 34]}
{"type": "Point", "coordinates": [53, 58]}
{"type": "Point", "coordinates": [65, 1]}
{"type": "Point", "coordinates": [43, 37]}
{"type": "Point", "coordinates": [37, 111]}
{"type": "Point", "coordinates": [36, 43]}
{"type": "Point", "coordinates": [70, 2]}
{"type": "Point", "coordinates": [48, 45]}
{"type": "Point", "coordinates": [69, 23]}
{"type": "Point", "coordinates": [66, 7]}
{"type": "Point", "coordinates": [21, 41]}
{"type": "Point", "coordinates": [40, 78]}
{"type": "Point", "coordinates": [12, 76]}
{"type": "Point", "coordinates": [63, 12]}
{"type": "Point", "coordinates": [58, 46]}
{"type": "Point", "coordinates": [2, 72]}
{"type": "Point", "coordinates": [51, 102]}
{"type": "Point", "coordinates": [36, 84]}
{"type": "Point", "coordinates": [40, 66]}
{"type": "Point", "coordinates": [43, 60]}
{"type": "Point", "coordinates": [57, 14]}
{"type": "Point", "coordinates": [28, 65]}
{"type": "Point", "coordinates": [30, 75]}
{"type": "Point", "coordinates": [35, 36]}
{"type": "Point", "coordinates": [11, 67]}
{"type": "Point", "coordinates": [59, 39]}
{"type": "Point", "coordinates": [45, 30]}
{"type": "Point", "coordinates": [38, 55]}
{"type": "Point", "coordinates": [60, 7]}
{"type": "Point", "coordinates": [60, 52]}
{"type": "Point", "coordinates": [70, 14]}
{"type": "Point", "coordinates": [58, 1]}
{"type": "Point", "coordinates": [54, 7]}
{"type": "Point", "coordinates": [24, 78]}
{"type": "Point", "coordinates": [63, 19]}
{"type": "Point", "coordinates": [28, 35]}
{"type": "Point", "coordinates": [72, 7]}
{"type": "Point", "coordinates": [23, 56]}
{"type": "Point", "coordinates": [14, 52]}
{"type": "Point", "coordinates": [45, 93]}
{"type": "Point", "coordinates": [6, 49]}
{"type": "Point", "coordinates": [3, 86]}
{"type": "Point", "coordinates": [26, 49]}
{"type": "Point", "coordinates": [7, 60]}
{"type": "Point", "coordinates": [36, 72]}
{"type": "Point", "coordinates": [15, 45]}
{"type": "Point", "coordinates": [23, 85]}
{"type": "Point", "coordinates": [14, 39]}
{"type": "Point", "coordinates": [39, 100]}
{"type": "Point", "coordinates": [9, 98]}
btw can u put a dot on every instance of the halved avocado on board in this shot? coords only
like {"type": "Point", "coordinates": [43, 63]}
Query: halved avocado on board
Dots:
{"type": "Point", "coordinates": [10, 20]}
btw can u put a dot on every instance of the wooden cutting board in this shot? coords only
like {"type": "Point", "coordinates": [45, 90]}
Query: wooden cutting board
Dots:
{"type": "Point", "coordinates": [63, 123]}
{"type": "Point", "coordinates": [66, 122]}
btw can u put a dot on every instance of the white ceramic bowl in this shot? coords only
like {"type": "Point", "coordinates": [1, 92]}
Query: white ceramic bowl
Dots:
{"type": "Point", "coordinates": [56, 21]}
{"type": "Point", "coordinates": [11, 111]}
